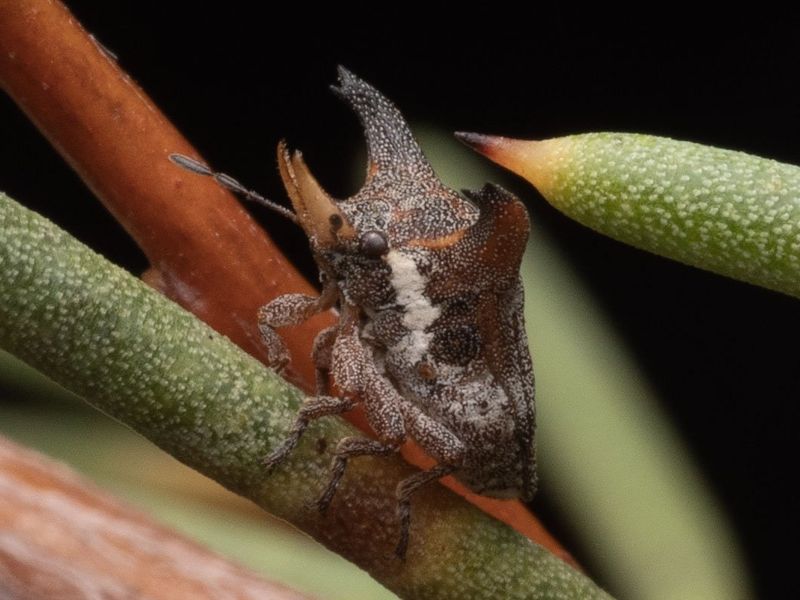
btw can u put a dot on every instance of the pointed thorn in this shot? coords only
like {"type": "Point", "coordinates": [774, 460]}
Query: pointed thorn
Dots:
{"type": "Point", "coordinates": [480, 142]}
{"type": "Point", "coordinates": [531, 159]}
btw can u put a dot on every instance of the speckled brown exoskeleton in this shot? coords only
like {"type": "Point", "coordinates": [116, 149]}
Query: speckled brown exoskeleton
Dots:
{"type": "Point", "coordinates": [430, 337]}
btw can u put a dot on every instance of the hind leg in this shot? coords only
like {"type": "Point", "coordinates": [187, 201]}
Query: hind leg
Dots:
{"type": "Point", "coordinates": [405, 489]}
{"type": "Point", "coordinates": [438, 441]}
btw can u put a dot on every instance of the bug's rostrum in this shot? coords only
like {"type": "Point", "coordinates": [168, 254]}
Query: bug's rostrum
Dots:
{"type": "Point", "coordinates": [317, 211]}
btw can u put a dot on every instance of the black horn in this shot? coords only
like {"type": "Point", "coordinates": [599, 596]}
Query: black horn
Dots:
{"type": "Point", "coordinates": [390, 145]}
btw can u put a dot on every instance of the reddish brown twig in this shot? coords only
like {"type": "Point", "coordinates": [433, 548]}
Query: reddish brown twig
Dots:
{"type": "Point", "coordinates": [197, 237]}
{"type": "Point", "coordinates": [206, 252]}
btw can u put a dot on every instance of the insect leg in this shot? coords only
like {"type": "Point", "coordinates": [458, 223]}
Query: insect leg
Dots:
{"type": "Point", "coordinates": [405, 489]}
{"type": "Point", "coordinates": [354, 370]}
{"type": "Point", "coordinates": [277, 353]}
{"type": "Point", "coordinates": [443, 445]}
{"type": "Point", "coordinates": [347, 448]}
{"type": "Point", "coordinates": [289, 309]}
{"type": "Point", "coordinates": [382, 406]}
{"type": "Point", "coordinates": [322, 356]}
{"type": "Point", "coordinates": [313, 408]}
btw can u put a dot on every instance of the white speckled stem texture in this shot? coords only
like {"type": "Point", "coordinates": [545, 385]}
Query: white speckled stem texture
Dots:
{"type": "Point", "coordinates": [140, 358]}
{"type": "Point", "coordinates": [721, 210]}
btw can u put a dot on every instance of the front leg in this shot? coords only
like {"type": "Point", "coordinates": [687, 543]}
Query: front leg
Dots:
{"type": "Point", "coordinates": [289, 309]}
{"type": "Point", "coordinates": [314, 407]}
{"type": "Point", "coordinates": [293, 309]}
{"type": "Point", "coordinates": [277, 352]}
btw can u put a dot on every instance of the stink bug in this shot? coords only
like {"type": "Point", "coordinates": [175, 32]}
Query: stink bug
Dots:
{"type": "Point", "coordinates": [430, 337]}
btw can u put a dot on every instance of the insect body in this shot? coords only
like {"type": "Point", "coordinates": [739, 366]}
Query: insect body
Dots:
{"type": "Point", "coordinates": [430, 338]}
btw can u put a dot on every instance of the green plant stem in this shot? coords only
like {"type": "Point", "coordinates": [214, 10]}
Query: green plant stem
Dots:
{"type": "Point", "coordinates": [145, 361]}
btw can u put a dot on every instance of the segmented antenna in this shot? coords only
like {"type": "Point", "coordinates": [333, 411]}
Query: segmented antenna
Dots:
{"type": "Point", "coordinates": [229, 183]}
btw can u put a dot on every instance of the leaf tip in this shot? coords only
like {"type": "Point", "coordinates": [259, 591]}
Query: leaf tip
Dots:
{"type": "Point", "coordinates": [527, 158]}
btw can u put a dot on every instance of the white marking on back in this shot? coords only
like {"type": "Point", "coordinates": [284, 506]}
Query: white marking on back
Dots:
{"type": "Point", "coordinates": [418, 312]}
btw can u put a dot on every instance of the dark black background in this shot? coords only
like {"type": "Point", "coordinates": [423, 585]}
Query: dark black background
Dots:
{"type": "Point", "coordinates": [723, 354]}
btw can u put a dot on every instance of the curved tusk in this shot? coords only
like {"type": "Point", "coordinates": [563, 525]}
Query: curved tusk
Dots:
{"type": "Point", "coordinates": [318, 213]}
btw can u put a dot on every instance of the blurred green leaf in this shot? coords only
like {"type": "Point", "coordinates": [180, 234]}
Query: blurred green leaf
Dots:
{"type": "Point", "coordinates": [129, 466]}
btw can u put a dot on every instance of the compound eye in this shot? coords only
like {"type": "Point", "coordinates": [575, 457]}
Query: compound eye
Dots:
{"type": "Point", "coordinates": [373, 243]}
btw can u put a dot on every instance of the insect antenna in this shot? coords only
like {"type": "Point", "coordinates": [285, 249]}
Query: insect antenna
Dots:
{"type": "Point", "coordinates": [229, 183]}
